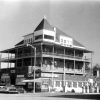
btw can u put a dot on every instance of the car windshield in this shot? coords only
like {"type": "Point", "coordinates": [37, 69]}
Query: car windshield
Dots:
{"type": "Point", "coordinates": [12, 89]}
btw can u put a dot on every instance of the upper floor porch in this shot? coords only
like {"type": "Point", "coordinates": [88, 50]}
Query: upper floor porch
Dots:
{"type": "Point", "coordinates": [45, 50]}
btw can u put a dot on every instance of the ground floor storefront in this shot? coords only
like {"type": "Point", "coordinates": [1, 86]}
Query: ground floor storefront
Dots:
{"type": "Point", "coordinates": [50, 82]}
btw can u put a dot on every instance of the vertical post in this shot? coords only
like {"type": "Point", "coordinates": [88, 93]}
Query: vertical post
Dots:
{"type": "Point", "coordinates": [74, 61]}
{"type": "Point", "coordinates": [41, 61]}
{"type": "Point", "coordinates": [84, 66]}
{"type": "Point", "coordinates": [0, 60]}
{"type": "Point", "coordinates": [34, 66]}
{"type": "Point", "coordinates": [91, 63]}
{"type": "Point", "coordinates": [16, 56]}
{"type": "Point", "coordinates": [41, 56]}
{"type": "Point", "coordinates": [52, 67]}
{"type": "Point", "coordinates": [31, 61]}
{"type": "Point", "coordinates": [34, 62]}
{"type": "Point", "coordinates": [10, 65]}
{"type": "Point", "coordinates": [8, 58]}
{"type": "Point", "coordinates": [22, 58]}
{"type": "Point", "coordinates": [64, 72]}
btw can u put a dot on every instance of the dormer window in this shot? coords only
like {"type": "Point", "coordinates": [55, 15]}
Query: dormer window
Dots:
{"type": "Point", "coordinates": [31, 40]}
{"type": "Point", "coordinates": [48, 37]}
{"type": "Point", "coordinates": [38, 37]}
{"type": "Point", "coordinates": [66, 41]}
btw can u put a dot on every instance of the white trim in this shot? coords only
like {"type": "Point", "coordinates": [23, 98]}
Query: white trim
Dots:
{"type": "Point", "coordinates": [40, 32]}
{"type": "Point", "coordinates": [48, 40]}
{"type": "Point", "coordinates": [48, 32]}
{"type": "Point", "coordinates": [79, 47]}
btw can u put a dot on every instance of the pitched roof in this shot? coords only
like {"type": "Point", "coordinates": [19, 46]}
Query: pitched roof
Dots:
{"type": "Point", "coordinates": [44, 24]}
{"type": "Point", "coordinates": [76, 43]}
{"type": "Point", "coordinates": [20, 43]}
{"type": "Point", "coordinates": [59, 32]}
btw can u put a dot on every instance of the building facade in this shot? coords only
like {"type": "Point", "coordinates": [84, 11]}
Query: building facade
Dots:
{"type": "Point", "coordinates": [96, 74]}
{"type": "Point", "coordinates": [58, 64]}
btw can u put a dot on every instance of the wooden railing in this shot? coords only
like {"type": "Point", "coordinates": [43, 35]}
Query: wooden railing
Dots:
{"type": "Point", "coordinates": [49, 68]}
{"type": "Point", "coordinates": [49, 54]}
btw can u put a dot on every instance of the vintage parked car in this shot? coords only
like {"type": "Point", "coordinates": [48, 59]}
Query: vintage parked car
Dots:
{"type": "Point", "coordinates": [20, 89]}
{"type": "Point", "coordinates": [8, 89]}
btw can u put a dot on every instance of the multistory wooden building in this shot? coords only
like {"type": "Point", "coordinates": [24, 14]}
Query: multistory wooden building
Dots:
{"type": "Point", "coordinates": [59, 62]}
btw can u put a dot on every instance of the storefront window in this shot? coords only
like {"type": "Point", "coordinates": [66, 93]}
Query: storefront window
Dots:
{"type": "Point", "coordinates": [75, 84]}
{"type": "Point", "coordinates": [49, 37]}
{"type": "Point", "coordinates": [79, 84]}
{"type": "Point", "coordinates": [57, 83]}
{"type": "Point", "coordinates": [38, 37]}
{"type": "Point", "coordinates": [69, 84]}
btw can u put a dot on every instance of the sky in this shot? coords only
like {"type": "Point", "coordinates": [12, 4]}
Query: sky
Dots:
{"type": "Point", "coordinates": [80, 17]}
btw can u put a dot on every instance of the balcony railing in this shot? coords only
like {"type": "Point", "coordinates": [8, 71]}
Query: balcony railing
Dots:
{"type": "Point", "coordinates": [49, 54]}
{"type": "Point", "coordinates": [49, 68]}
{"type": "Point", "coordinates": [67, 56]}
{"type": "Point", "coordinates": [7, 58]}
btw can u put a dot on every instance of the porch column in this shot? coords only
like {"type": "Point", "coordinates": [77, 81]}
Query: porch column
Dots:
{"type": "Point", "coordinates": [91, 63]}
{"type": "Point", "coordinates": [16, 57]}
{"type": "Point", "coordinates": [31, 61]}
{"type": "Point", "coordinates": [74, 61]}
{"type": "Point", "coordinates": [84, 65]}
{"type": "Point", "coordinates": [42, 62]}
{"type": "Point", "coordinates": [53, 67]}
{"type": "Point", "coordinates": [0, 59]}
{"type": "Point", "coordinates": [10, 65]}
{"type": "Point", "coordinates": [41, 55]}
{"type": "Point", "coordinates": [97, 89]}
{"type": "Point", "coordinates": [64, 73]}
{"type": "Point", "coordinates": [8, 59]}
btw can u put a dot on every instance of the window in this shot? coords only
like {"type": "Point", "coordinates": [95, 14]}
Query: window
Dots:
{"type": "Point", "coordinates": [25, 41]}
{"type": "Point", "coordinates": [69, 84]}
{"type": "Point", "coordinates": [79, 84]}
{"type": "Point", "coordinates": [61, 40]}
{"type": "Point", "coordinates": [95, 73]}
{"type": "Point", "coordinates": [57, 83]}
{"type": "Point", "coordinates": [65, 41]}
{"type": "Point", "coordinates": [74, 84]}
{"type": "Point", "coordinates": [31, 40]}
{"type": "Point", "coordinates": [49, 37]}
{"type": "Point", "coordinates": [38, 37]}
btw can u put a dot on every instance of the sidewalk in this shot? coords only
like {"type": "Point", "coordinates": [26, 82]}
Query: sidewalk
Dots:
{"type": "Point", "coordinates": [65, 95]}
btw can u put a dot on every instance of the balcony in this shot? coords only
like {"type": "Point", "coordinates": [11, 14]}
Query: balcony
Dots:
{"type": "Point", "coordinates": [48, 68]}
{"type": "Point", "coordinates": [70, 57]}
{"type": "Point", "coordinates": [25, 55]}
{"type": "Point", "coordinates": [46, 54]}
{"type": "Point", "coordinates": [4, 59]}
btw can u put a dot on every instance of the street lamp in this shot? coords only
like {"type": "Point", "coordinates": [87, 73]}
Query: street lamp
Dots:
{"type": "Point", "coordinates": [34, 62]}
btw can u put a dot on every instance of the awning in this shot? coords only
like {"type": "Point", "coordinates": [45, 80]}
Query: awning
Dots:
{"type": "Point", "coordinates": [32, 80]}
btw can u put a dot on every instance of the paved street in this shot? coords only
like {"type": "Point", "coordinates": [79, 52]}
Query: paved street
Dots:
{"type": "Point", "coordinates": [31, 97]}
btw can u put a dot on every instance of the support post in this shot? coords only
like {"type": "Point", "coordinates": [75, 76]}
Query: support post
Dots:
{"type": "Point", "coordinates": [0, 60]}
{"type": "Point", "coordinates": [34, 66]}
{"type": "Point", "coordinates": [52, 67]}
{"type": "Point", "coordinates": [64, 73]}
{"type": "Point", "coordinates": [34, 62]}
{"type": "Point", "coordinates": [41, 55]}
{"type": "Point", "coordinates": [8, 58]}
{"type": "Point", "coordinates": [41, 61]}
{"type": "Point", "coordinates": [74, 61]}
{"type": "Point", "coordinates": [91, 63]}
{"type": "Point", "coordinates": [16, 57]}
{"type": "Point", "coordinates": [84, 64]}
